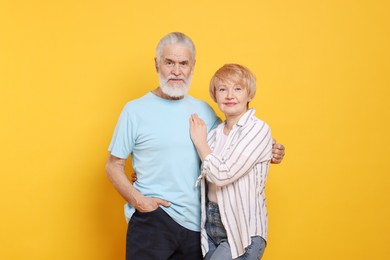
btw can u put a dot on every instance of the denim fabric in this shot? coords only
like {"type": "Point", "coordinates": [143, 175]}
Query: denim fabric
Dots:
{"type": "Point", "coordinates": [219, 248]}
{"type": "Point", "coordinates": [214, 226]}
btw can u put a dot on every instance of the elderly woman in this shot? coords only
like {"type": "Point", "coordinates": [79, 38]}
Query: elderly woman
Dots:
{"type": "Point", "coordinates": [235, 162]}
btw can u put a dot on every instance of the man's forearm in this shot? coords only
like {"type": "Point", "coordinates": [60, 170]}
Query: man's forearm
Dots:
{"type": "Point", "coordinates": [116, 174]}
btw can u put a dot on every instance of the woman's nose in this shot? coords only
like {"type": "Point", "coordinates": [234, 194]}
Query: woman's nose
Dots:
{"type": "Point", "coordinates": [229, 94]}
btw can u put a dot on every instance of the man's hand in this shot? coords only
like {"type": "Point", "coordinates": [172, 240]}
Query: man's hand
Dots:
{"type": "Point", "coordinates": [133, 177]}
{"type": "Point", "coordinates": [277, 152]}
{"type": "Point", "coordinates": [148, 204]}
{"type": "Point", "coordinates": [115, 168]}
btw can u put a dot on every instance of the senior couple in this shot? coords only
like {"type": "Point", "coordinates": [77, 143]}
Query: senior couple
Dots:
{"type": "Point", "coordinates": [177, 144]}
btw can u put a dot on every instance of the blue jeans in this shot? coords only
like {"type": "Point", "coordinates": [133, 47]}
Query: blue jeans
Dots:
{"type": "Point", "coordinates": [219, 248]}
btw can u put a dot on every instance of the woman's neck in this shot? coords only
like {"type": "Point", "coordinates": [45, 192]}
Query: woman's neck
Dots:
{"type": "Point", "coordinates": [229, 123]}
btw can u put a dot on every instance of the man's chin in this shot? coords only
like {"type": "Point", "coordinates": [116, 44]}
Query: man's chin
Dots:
{"type": "Point", "coordinates": [176, 84]}
{"type": "Point", "coordinates": [174, 89]}
{"type": "Point", "coordinates": [174, 92]}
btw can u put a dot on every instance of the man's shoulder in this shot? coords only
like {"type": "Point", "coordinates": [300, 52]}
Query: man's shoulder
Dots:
{"type": "Point", "coordinates": [198, 102]}
{"type": "Point", "coordinates": [140, 101]}
{"type": "Point", "coordinates": [194, 99]}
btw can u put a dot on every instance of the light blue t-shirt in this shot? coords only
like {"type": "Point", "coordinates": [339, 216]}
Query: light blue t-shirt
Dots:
{"type": "Point", "coordinates": [155, 131]}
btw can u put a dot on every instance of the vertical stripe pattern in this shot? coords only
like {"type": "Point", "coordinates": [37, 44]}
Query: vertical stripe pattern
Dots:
{"type": "Point", "coordinates": [240, 173]}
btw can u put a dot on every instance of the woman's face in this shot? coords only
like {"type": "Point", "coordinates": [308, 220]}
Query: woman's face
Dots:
{"type": "Point", "coordinates": [232, 99]}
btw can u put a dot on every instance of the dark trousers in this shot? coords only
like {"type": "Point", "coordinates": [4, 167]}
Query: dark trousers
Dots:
{"type": "Point", "coordinates": [156, 236]}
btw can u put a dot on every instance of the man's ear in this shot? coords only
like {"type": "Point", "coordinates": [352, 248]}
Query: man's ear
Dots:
{"type": "Point", "coordinates": [156, 64]}
{"type": "Point", "coordinates": [193, 67]}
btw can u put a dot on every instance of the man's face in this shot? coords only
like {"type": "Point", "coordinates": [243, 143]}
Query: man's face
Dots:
{"type": "Point", "coordinates": [175, 70]}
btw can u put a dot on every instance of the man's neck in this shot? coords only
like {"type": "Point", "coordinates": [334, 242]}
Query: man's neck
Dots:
{"type": "Point", "coordinates": [158, 92]}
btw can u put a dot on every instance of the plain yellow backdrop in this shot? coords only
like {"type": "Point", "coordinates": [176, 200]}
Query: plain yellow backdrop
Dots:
{"type": "Point", "coordinates": [68, 67]}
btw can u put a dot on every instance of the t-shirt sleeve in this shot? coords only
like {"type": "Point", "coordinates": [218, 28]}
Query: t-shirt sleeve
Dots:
{"type": "Point", "coordinates": [122, 141]}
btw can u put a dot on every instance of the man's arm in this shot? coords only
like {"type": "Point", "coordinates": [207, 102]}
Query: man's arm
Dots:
{"type": "Point", "coordinates": [115, 168]}
{"type": "Point", "coordinates": [277, 152]}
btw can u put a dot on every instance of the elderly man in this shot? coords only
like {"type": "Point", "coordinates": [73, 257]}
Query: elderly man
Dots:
{"type": "Point", "coordinates": [163, 206]}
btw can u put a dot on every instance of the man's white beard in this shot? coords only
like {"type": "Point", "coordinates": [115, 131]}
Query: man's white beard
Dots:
{"type": "Point", "coordinates": [174, 90]}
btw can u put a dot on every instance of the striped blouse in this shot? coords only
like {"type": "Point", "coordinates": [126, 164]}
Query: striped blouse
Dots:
{"type": "Point", "coordinates": [240, 173]}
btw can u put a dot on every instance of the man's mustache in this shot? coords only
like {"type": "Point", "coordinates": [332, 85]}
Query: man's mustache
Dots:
{"type": "Point", "coordinates": [174, 77]}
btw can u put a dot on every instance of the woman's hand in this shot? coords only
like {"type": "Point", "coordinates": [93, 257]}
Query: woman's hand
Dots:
{"type": "Point", "coordinates": [198, 130]}
{"type": "Point", "coordinates": [198, 133]}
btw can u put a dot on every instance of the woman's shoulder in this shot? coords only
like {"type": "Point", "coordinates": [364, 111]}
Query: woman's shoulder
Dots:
{"type": "Point", "coordinates": [257, 124]}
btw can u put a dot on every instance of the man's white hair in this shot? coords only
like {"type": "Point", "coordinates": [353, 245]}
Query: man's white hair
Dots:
{"type": "Point", "coordinates": [173, 38]}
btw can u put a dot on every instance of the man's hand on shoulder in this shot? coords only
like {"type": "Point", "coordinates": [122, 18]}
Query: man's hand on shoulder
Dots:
{"type": "Point", "coordinates": [278, 152]}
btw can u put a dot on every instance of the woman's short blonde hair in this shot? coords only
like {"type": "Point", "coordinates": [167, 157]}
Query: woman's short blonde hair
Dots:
{"type": "Point", "coordinates": [236, 74]}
